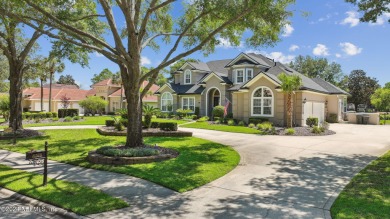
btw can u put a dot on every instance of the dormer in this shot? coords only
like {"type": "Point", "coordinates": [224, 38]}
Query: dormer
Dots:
{"type": "Point", "coordinates": [245, 67]}
{"type": "Point", "coordinates": [191, 73]}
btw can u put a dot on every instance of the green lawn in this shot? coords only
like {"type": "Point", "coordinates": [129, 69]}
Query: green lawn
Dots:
{"type": "Point", "coordinates": [368, 193]}
{"type": "Point", "coordinates": [72, 196]}
{"type": "Point", "coordinates": [224, 128]}
{"type": "Point", "coordinates": [385, 122]}
{"type": "Point", "coordinates": [200, 161]}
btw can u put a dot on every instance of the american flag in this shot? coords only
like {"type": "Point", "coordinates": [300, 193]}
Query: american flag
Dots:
{"type": "Point", "coordinates": [225, 111]}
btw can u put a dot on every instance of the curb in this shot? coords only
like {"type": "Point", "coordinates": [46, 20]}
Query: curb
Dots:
{"type": "Point", "coordinates": [60, 212]}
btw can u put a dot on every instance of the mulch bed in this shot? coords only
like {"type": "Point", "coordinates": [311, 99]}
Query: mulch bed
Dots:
{"type": "Point", "coordinates": [26, 122]}
{"type": "Point", "coordinates": [304, 131]}
{"type": "Point", "coordinates": [24, 133]}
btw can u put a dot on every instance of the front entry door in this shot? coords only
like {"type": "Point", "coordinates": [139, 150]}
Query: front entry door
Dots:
{"type": "Point", "coordinates": [216, 101]}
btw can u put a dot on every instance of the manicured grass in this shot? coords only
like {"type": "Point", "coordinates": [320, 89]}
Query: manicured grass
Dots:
{"type": "Point", "coordinates": [72, 196]}
{"type": "Point", "coordinates": [224, 128]}
{"type": "Point", "coordinates": [385, 122]}
{"type": "Point", "coordinates": [368, 193]}
{"type": "Point", "coordinates": [200, 161]}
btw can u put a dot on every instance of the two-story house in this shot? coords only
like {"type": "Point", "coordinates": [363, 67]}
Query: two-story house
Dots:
{"type": "Point", "coordinates": [250, 82]}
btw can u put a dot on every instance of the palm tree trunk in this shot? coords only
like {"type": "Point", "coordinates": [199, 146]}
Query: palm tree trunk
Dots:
{"type": "Point", "coordinates": [289, 109]}
{"type": "Point", "coordinates": [41, 94]}
{"type": "Point", "coordinates": [50, 81]}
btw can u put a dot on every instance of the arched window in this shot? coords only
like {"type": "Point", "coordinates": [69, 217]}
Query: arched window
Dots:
{"type": "Point", "coordinates": [166, 102]}
{"type": "Point", "coordinates": [262, 102]}
{"type": "Point", "coordinates": [187, 76]}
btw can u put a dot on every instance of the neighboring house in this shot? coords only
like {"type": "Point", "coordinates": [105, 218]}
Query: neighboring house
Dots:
{"type": "Point", "coordinates": [250, 83]}
{"type": "Point", "coordinates": [104, 89]}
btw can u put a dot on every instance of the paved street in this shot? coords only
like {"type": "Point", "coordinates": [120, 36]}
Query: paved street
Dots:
{"type": "Point", "coordinates": [278, 177]}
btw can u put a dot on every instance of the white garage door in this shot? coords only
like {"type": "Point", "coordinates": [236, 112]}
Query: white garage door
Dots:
{"type": "Point", "coordinates": [37, 106]}
{"type": "Point", "coordinates": [314, 109]}
{"type": "Point", "coordinates": [77, 106]}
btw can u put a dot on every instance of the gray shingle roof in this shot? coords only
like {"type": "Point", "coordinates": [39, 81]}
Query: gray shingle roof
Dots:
{"type": "Point", "coordinates": [186, 89]}
{"type": "Point", "coordinates": [218, 66]}
{"type": "Point", "coordinates": [200, 66]}
{"type": "Point", "coordinates": [329, 87]}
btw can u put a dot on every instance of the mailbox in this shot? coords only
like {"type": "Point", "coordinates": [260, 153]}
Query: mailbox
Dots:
{"type": "Point", "coordinates": [30, 155]}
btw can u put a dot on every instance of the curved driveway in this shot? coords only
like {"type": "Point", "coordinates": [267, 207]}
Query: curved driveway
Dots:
{"type": "Point", "coordinates": [278, 177]}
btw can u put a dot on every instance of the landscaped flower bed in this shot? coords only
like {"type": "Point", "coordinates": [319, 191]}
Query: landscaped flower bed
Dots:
{"type": "Point", "coordinates": [24, 133]}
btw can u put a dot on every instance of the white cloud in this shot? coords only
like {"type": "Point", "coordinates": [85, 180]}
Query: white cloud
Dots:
{"type": "Point", "coordinates": [287, 30]}
{"type": "Point", "coordinates": [321, 50]}
{"type": "Point", "coordinates": [350, 49]}
{"type": "Point", "coordinates": [327, 17]}
{"type": "Point", "coordinates": [145, 60]}
{"type": "Point", "coordinates": [98, 54]}
{"type": "Point", "coordinates": [338, 55]}
{"type": "Point", "coordinates": [293, 48]}
{"type": "Point", "coordinates": [277, 56]}
{"type": "Point", "coordinates": [224, 43]}
{"type": "Point", "coordinates": [380, 20]}
{"type": "Point", "coordinates": [352, 19]}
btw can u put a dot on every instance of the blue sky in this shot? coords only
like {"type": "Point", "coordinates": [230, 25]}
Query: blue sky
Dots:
{"type": "Point", "coordinates": [332, 30]}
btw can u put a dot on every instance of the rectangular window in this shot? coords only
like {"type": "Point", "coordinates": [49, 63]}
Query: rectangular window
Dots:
{"type": "Point", "coordinates": [188, 103]}
{"type": "Point", "coordinates": [249, 74]}
{"type": "Point", "coordinates": [239, 76]}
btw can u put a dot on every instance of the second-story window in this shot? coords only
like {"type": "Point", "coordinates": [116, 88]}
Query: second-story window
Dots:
{"type": "Point", "coordinates": [187, 76]}
{"type": "Point", "coordinates": [249, 74]}
{"type": "Point", "coordinates": [239, 76]}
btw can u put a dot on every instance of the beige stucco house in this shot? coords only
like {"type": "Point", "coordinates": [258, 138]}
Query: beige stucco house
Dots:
{"type": "Point", "coordinates": [249, 81]}
{"type": "Point", "coordinates": [105, 89]}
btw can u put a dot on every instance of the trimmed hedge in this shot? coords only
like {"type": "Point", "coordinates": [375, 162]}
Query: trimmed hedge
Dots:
{"type": "Point", "coordinates": [257, 120]}
{"type": "Point", "coordinates": [155, 125]}
{"type": "Point", "coordinates": [39, 115]}
{"type": "Point", "coordinates": [110, 123]}
{"type": "Point", "coordinates": [62, 113]}
{"type": "Point", "coordinates": [168, 126]}
{"type": "Point", "coordinates": [332, 118]}
{"type": "Point", "coordinates": [312, 121]}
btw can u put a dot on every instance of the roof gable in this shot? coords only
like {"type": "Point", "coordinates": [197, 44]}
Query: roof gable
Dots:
{"type": "Point", "coordinates": [252, 59]}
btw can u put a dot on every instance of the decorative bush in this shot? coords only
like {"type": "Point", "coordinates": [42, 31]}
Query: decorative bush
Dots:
{"type": "Point", "coordinates": [124, 122]}
{"type": "Point", "coordinates": [119, 126]}
{"type": "Point", "coordinates": [54, 119]}
{"type": "Point", "coordinates": [127, 152]}
{"type": "Point", "coordinates": [251, 125]}
{"type": "Point", "coordinates": [55, 115]}
{"type": "Point", "coordinates": [183, 112]}
{"type": "Point", "coordinates": [49, 115]}
{"type": "Point", "coordinates": [68, 119]}
{"type": "Point", "coordinates": [218, 111]}
{"type": "Point", "coordinates": [241, 123]}
{"type": "Point", "coordinates": [290, 131]}
{"type": "Point", "coordinates": [122, 113]}
{"type": "Point", "coordinates": [26, 115]}
{"type": "Point", "coordinates": [257, 120]}
{"type": "Point", "coordinates": [42, 115]}
{"type": "Point", "coordinates": [217, 122]}
{"type": "Point", "coordinates": [194, 117]}
{"type": "Point", "coordinates": [154, 125]}
{"type": "Point", "coordinates": [316, 130]}
{"type": "Point", "coordinates": [229, 116]}
{"type": "Point", "coordinates": [147, 120]}
{"type": "Point", "coordinates": [265, 126]}
{"type": "Point", "coordinates": [332, 118]}
{"type": "Point", "coordinates": [76, 118]}
{"type": "Point", "coordinates": [325, 125]}
{"type": "Point", "coordinates": [37, 120]}
{"type": "Point", "coordinates": [231, 122]}
{"type": "Point", "coordinates": [204, 119]}
{"type": "Point", "coordinates": [312, 121]}
{"type": "Point", "coordinates": [110, 123]}
{"type": "Point", "coordinates": [168, 126]}
{"type": "Point", "coordinates": [67, 112]}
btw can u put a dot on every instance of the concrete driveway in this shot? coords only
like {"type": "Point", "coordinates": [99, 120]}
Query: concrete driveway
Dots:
{"type": "Point", "coordinates": [278, 177]}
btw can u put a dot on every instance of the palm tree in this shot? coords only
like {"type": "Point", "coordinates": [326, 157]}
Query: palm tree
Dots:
{"type": "Point", "coordinates": [53, 65]}
{"type": "Point", "coordinates": [117, 79]}
{"type": "Point", "coordinates": [148, 112]}
{"type": "Point", "coordinates": [290, 84]}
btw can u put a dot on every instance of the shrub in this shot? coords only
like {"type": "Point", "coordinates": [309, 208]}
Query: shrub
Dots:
{"type": "Point", "coordinates": [128, 152]}
{"type": "Point", "coordinates": [67, 112]}
{"type": "Point", "coordinates": [204, 119]}
{"type": "Point", "coordinates": [76, 118]}
{"type": "Point", "coordinates": [111, 113]}
{"type": "Point", "coordinates": [194, 117]}
{"type": "Point", "coordinates": [257, 120]}
{"type": "Point", "coordinates": [154, 125]}
{"type": "Point", "coordinates": [118, 123]}
{"type": "Point", "coordinates": [251, 125]}
{"type": "Point", "coordinates": [42, 115]}
{"type": "Point", "coordinates": [316, 130]}
{"type": "Point", "coordinates": [197, 111]}
{"type": "Point", "coordinates": [93, 104]}
{"type": "Point", "coordinates": [49, 115]}
{"type": "Point", "coordinates": [68, 119]}
{"type": "Point", "coordinates": [26, 115]}
{"type": "Point", "coordinates": [54, 119]}
{"type": "Point", "coordinates": [110, 122]}
{"type": "Point", "coordinates": [154, 117]}
{"type": "Point", "coordinates": [124, 122]}
{"type": "Point", "coordinates": [332, 118]}
{"type": "Point", "coordinates": [218, 111]}
{"type": "Point", "coordinates": [122, 113]}
{"type": "Point", "coordinates": [229, 116]}
{"type": "Point", "coordinates": [168, 126]}
{"type": "Point", "coordinates": [230, 122]}
{"type": "Point", "coordinates": [37, 120]}
{"type": "Point", "coordinates": [241, 123]}
{"type": "Point", "coordinates": [325, 125]}
{"type": "Point", "coordinates": [217, 122]}
{"type": "Point", "coordinates": [55, 115]}
{"type": "Point", "coordinates": [290, 131]}
{"type": "Point", "coordinates": [265, 126]}
{"type": "Point", "coordinates": [312, 121]}
{"type": "Point", "coordinates": [147, 120]}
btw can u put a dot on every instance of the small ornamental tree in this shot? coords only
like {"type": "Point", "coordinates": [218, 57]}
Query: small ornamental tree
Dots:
{"type": "Point", "coordinates": [290, 84]}
{"type": "Point", "coordinates": [381, 99]}
{"type": "Point", "coordinates": [93, 104]}
{"type": "Point", "coordinates": [65, 101]}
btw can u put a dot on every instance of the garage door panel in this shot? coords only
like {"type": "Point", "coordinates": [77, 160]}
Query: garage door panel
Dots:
{"type": "Point", "coordinates": [314, 109]}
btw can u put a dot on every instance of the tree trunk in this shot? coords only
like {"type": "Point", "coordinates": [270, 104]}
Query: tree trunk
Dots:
{"type": "Point", "coordinates": [50, 81]}
{"type": "Point", "coordinates": [289, 109]}
{"type": "Point", "coordinates": [15, 97]}
{"type": "Point", "coordinates": [41, 95]}
{"type": "Point", "coordinates": [121, 101]}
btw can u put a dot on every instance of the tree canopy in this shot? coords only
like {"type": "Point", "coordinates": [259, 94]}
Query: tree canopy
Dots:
{"type": "Point", "coordinates": [381, 99]}
{"type": "Point", "coordinates": [372, 9]}
{"type": "Point", "coordinates": [361, 87]}
{"type": "Point", "coordinates": [103, 75]}
{"type": "Point", "coordinates": [66, 79]}
{"type": "Point", "coordinates": [318, 67]}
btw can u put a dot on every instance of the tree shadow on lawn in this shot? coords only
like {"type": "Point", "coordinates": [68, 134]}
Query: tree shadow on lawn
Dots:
{"type": "Point", "coordinates": [299, 187]}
